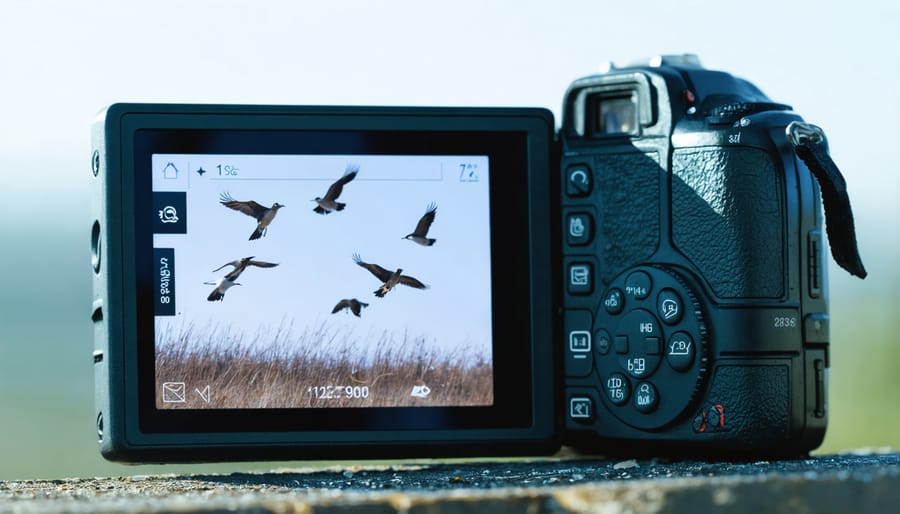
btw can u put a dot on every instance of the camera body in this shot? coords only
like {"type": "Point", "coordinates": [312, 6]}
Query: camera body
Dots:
{"type": "Point", "coordinates": [650, 280]}
{"type": "Point", "coordinates": [695, 310]}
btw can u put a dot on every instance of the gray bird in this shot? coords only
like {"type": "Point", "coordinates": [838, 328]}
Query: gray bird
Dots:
{"type": "Point", "coordinates": [329, 202]}
{"type": "Point", "coordinates": [263, 215]}
{"type": "Point", "coordinates": [419, 235]}
{"type": "Point", "coordinates": [229, 280]}
{"type": "Point", "coordinates": [353, 304]}
{"type": "Point", "coordinates": [241, 264]}
{"type": "Point", "coordinates": [390, 278]}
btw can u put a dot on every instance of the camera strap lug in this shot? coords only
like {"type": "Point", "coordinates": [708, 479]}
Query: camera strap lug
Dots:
{"type": "Point", "coordinates": [811, 146]}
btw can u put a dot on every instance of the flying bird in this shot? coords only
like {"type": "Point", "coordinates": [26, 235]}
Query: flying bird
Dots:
{"type": "Point", "coordinates": [241, 264]}
{"type": "Point", "coordinates": [229, 280]}
{"type": "Point", "coordinates": [263, 215]}
{"type": "Point", "coordinates": [390, 278]}
{"type": "Point", "coordinates": [222, 285]}
{"type": "Point", "coordinates": [419, 235]}
{"type": "Point", "coordinates": [353, 304]}
{"type": "Point", "coordinates": [329, 202]}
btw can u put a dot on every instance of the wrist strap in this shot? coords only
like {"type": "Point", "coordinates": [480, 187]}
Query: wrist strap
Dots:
{"type": "Point", "coordinates": [810, 144]}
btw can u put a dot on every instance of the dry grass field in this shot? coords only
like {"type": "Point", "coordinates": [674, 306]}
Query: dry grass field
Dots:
{"type": "Point", "coordinates": [317, 368]}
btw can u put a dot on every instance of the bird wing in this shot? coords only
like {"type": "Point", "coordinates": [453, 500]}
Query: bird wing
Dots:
{"type": "Point", "coordinates": [379, 272]}
{"type": "Point", "coordinates": [249, 208]}
{"type": "Point", "coordinates": [232, 263]}
{"type": "Point", "coordinates": [426, 221]}
{"type": "Point", "coordinates": [335, 189]}
{"type": "Point", "coordinates": [343, 304]}
{"type": "Point", "coordinates": [412, 282]}
{"type": "Point", "coordinates": [262, 264]}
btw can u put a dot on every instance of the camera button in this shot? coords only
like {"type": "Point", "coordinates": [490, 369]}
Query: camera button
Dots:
{"type": "Point", "coordinates": [645, 397]}
{"type": "Point", "coordinates": [602, 341]}
{"type": "Point", "coordinates": [621, 344]}
{"type": "Point", "coordinates": [578, 181]}
{"type": "Point", "coordinates": [579, 228]}
{"type": "Point", "coordinates": [579, 357]}
{"type": "Point", "coordinates": [614, 301]}
{"type": "Point", "coordinates": [638, 285]}
{"type": "Point", "coordinates": [651, 345]}
{"type": "Point", "coordinates": [618, 389]}
{"type": "Point", "coordinates": [669, 306]}
{"type": "Point", "coordinates": [680, 351]}
{"type": "Point", "coordinates": [581, 409]}
{"type": "Point", "coordinates": [581, 280]}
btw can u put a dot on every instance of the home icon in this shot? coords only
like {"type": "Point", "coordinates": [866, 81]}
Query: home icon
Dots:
{"type": "Point", "coordinates": [170, 172]}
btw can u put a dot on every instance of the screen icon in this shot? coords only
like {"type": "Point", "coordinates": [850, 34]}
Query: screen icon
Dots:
{"type": "Point", "coordinates": [173, 392]}
{"type": "Point", "coordinates": [420, 391]}
{"type": "Point", "coordinates": [169, 212]}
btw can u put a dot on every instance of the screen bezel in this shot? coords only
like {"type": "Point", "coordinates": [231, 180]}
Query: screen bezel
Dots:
{"type": "Point", "coordinates": [518, 148]}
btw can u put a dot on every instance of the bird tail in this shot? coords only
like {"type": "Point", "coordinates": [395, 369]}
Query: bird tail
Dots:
{"type": "Point", "coordinates": [256, 234]}
{"type": "Point", "coordinates": [215, 296]}
{"type": "Point", "coordinates": [381, 291]}
{"type": "Point", "coordinates": [338, 206]}
{"type": "Point", "coordinates": [430, 242]}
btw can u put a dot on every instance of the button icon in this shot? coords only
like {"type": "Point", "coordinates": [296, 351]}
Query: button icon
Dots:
{"type": "Point", "coordinates": [580, 281]}
{"type": "Point", "coordinates": [680, 351]}
{"type": "Point", "coordinates": [613, 302]}
{"type": "Point", "coordinates": [578, 181]}
{"type": "Point", "coordinates": [617, 388]}
{"type": "Point", "coordinates": [579, 341]}
{"type": "Point", "coordinates": [203, 393]}
{"type": "Point", "coordinates": [669, 306]}
{"type": "Point", "coordinates": [645, 397]}
{"type": "Point", "coordinates": [173, 392]}
{"type": "Point", "coordinates": [579, 229]}
{"type": "Point", "coordinates": [581, 408]}
{"type": "Point", "coordinates": [168, 214]}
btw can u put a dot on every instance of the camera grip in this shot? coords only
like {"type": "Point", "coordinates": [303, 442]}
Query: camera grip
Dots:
{"type": "Point", "coordinates": [749, 404]}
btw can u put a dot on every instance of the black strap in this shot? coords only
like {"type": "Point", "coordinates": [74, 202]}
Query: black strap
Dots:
{"type": "Point", "coordinates": [810, 144]}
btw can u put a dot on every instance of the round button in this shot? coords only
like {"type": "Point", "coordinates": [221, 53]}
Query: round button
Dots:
{"type": "Point", "coordinates": [602, 341]}
{"type": "Point", "coordinates": [618, 389]}
{"type": "Point", "coordinates": [645, 397]}
{"type": "Point", "coordinates": [614, 301]}
{"type": "Point", "coordinates": [680, 351]}
{"type": "Point", "coordinates": [638, 285]}
{"type": "Point", "coordinates": [669, 306]}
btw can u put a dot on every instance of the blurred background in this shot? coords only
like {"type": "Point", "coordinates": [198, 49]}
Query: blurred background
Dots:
{"type": "Point", "coordinates": [61, 62]}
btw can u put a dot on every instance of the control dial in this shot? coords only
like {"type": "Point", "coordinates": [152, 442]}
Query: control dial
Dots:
{"type": "Point", "coordinates": [655, 361]}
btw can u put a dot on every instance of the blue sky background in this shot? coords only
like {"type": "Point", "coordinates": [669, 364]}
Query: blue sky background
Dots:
{"type": "Point", "coordinates": [314, 252]}
{"type": "Point", "coordinates": [62, 61]}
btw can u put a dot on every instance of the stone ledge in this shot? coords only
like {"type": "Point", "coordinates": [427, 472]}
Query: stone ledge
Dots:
{"type": "Point", "coordinates": [835, 483]}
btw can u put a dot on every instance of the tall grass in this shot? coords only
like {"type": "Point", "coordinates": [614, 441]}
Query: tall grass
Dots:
{"type": "Point", "coordinates": [319, 367]}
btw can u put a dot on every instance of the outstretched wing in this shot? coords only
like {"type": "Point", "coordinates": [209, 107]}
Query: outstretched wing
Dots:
{"type": "Point", "coordinates": [343, 304]}
{"type": "Point", "coordinates": [379, 272]}
{"type": "Point", "coordinates": [412, 282]}
{"type": "Point", "coordinates": [250, 208]}
{"type": "Point", "coordinates": [426, 221]}
{"type": "Point", "coordinates": [234, 263]}
{"type": "Point", "coordinates": [262, 264]}
{"type": "Point", "coordinates": [335, 190]}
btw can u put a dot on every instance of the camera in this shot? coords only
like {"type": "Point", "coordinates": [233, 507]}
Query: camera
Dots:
{"type": "Point", "coordinates": [313, 282]}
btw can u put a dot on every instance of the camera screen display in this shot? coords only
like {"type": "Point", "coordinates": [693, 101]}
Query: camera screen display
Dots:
{"type": "Point", "coordinates": [321, 280]}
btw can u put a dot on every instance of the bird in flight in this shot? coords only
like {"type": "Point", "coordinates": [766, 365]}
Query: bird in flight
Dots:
{"type": "Point", "coordinates": [329, 202]}
{"type": "Point", "coordinates": [419, 235]}
{"type": "Point", "coordinates": [389, 278]}
{"type": "Point", "coordinates": [262, 215]}
{"type": "Point", "coordinates": [353, 304]}
{"type": "Point", "coordinates": [241, 264]}
{"type": "Point", "coordinates": [229, 280]}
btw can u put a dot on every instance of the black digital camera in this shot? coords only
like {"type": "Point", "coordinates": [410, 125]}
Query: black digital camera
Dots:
{"type": "Point", "coordinates": [359, 282]}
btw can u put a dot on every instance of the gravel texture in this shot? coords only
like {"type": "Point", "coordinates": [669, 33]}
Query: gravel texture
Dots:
{"type": "Point", "coordinates": [861, 482]}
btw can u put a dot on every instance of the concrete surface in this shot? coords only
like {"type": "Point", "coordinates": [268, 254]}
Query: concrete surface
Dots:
{"type": "Point", "coordinates": [856, 482]}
